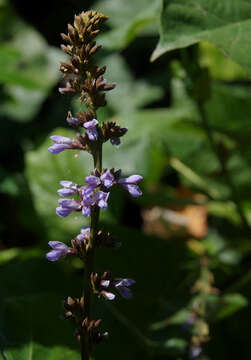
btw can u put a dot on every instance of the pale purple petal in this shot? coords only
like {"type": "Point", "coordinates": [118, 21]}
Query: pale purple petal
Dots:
{"type": "Point", "coordinates": [53, 255]}
{"type": "Point", "coordinates": [63, 212]}
{"type": "Point", "coordinates": [58, 245]}
{"type": "Point", "coordinates": [101, 199]}
{"type": "Point", "coordinates": [69, 204]}
{"type": "Point", "coordinates": [92, 134]}
{"type": "Point", "coordinates": [105, 283]}
{"type": "Point", "coordinates": [61, 139]}
{"type": "Point", "coordinates": [86, 211]}
{"type": "Point", "coordinates": [134, 190]}
{"type": "Point", "coordinates": [123, 282]}
{"type": "Point", "coordinates": [133, 179]}
{"type": "Point", "coordinates": [92, 180]}
{"type": "Point", "coordinates": [107, 178]}
{"type": "Point", "coordinates": [68, 184]}
{"type": "Point", "coordinates": [87, 192]}
{"type": "Point", "coordinates": [66, 192]}
{"type": "Point", "coordinates": [108, 295]}
{"type": "Point", "coordinates": [85, 231]}
{"type": "Point", "coordinates": [91, 124]}
{"type": "Point", "coordinates": [58, 148]}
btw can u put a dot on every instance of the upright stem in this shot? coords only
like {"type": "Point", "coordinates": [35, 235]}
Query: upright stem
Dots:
{"type": "Point", "coordinates": [234, 193]}
{"type": "Point", "coordinates": [89, 259]}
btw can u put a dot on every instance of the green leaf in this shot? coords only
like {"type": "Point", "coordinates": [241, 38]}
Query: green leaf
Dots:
{"type": "Point", "coordinates": [26, 333]}
{"type": "Point", "coordinates": [231, 304]}
{"type": "Point", "coordinates": [226, 24]}
{"type": "Point", "coordinates": [128, 20]}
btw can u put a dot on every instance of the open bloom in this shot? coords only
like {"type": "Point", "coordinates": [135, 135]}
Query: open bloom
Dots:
{"type": "Point", "coordinates": [61, 143]}
{"type": "Point", "coordinates": [92, 132]}
{"type": "Point", "coordinates": [90, 198]}
{"type": "Point", "coordinates": [84, 233]}
{"type": "Point", "coordinates": [59, 250]}
{"type": "Point", "coordinates": [67, 206]}
{"type": "Point", "coordinates": [121, 285]}
{"type": "Point", "coordinates": [69, 188]}
{"type": "Point", "coordinates": [129, 184]}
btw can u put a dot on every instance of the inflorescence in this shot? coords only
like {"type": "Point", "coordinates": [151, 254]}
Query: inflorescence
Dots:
{"type": "Point", "coordinates": [84, 78]}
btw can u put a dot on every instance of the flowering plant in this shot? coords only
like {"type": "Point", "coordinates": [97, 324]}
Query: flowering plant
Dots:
{"type": "Point", "coordinates": [83, 77]}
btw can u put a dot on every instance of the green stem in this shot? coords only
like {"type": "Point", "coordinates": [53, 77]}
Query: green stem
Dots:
{"type": "Point", "coordinates": [89, 259]}
{"type": "Point", "coordinates": [234, 193]}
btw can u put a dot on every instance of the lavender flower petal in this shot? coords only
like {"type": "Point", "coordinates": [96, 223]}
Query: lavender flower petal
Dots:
{"type": "Point", "coordinates": [133, 179]}
{"type": "Point", "coordinates": [86, 211]}
{"type": "Point", "coordinates": [125, 292]}
{"type": "Point", "coordinates": [133, 189]}
{"type": "Point", "coordinates": [58, 148]}
{"type": "Point", "coordinates": [92, 134]}
{"type": "Point", "coordinates": [101, 199]}
{"type": "Point", "coordinates": [85, 231]}
{"type": "Point", "coordinates": [107, 179]}
{"type": "Point", "coordinates": [108, 295]}
{"type": "Point", "coordinates": [63, 212]}
{"type": "Point", "coordinates": [59, 250]}
{"type": "Point", "coordinates": [92, 180]}
{"type": "Point", "coordinates": [69, 204]}
{"type": "Point", "coordinates": [91, 124]}
{"type": "Point", "coordinates": [61, 139]}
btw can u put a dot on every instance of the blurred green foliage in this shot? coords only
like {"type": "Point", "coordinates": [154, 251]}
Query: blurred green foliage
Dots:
{"type": "Point", "coordinates": [189, 136]}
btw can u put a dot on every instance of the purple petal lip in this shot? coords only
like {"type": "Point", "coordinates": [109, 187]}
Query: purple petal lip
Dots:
{"type": "Point", "coordinates": [92, 134]}
{"type": "Point", "coordinates": [61, 139]}
{"type": "Point", "coordinates": [57, 148]}
{"type": "Point", "coordinates": [91, 124]}
{"type": "Point", "coordinates": [107, 178]}
{"type": "Point", "coordinates": [133, 189]}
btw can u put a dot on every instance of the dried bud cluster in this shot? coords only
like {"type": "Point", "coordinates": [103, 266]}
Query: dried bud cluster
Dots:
{"type": "Point", "coordinates": [81, 75]}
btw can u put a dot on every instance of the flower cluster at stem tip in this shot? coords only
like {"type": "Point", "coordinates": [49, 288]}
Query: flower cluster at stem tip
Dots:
{"type": "Point", "coordinates": [86, 79]}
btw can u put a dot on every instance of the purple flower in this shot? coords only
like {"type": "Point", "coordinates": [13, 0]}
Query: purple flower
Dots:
{"type": "Point", "coordinates": [93, 181]}
{"type": "Point", "coordinates": [66, 207]}
{"type": "Point", "coordinates": [119, 284]}
{"type": "Point", "coordinates": [90, 198]}
{"type": "Point", "coordinates": [61, 143]}
{"type": "Point", "coordinates": [59, 250]}
{"type": "Point", "coordinates": [84, 233]}
{"type": "Point", "coordinates": [91, 129]}
{"type": "Point", "coordinates": [101, 199]}
{"type": "Point", "coordinates": [107, 179]}
{"type": "Point", "coordinates": [72, 121]}
{"type": "Point", "coordinates": [69, 188]}
{"type": "Point", "coordinates": [129, 184]}
{"type": "Point", "coordinates": [122, 286]}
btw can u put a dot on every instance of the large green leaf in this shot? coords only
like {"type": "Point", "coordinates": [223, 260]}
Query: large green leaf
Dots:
{"type": "Point", "coordinates": [128, 19]}
{"type": "Point", "coordinates": [227, 24]}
